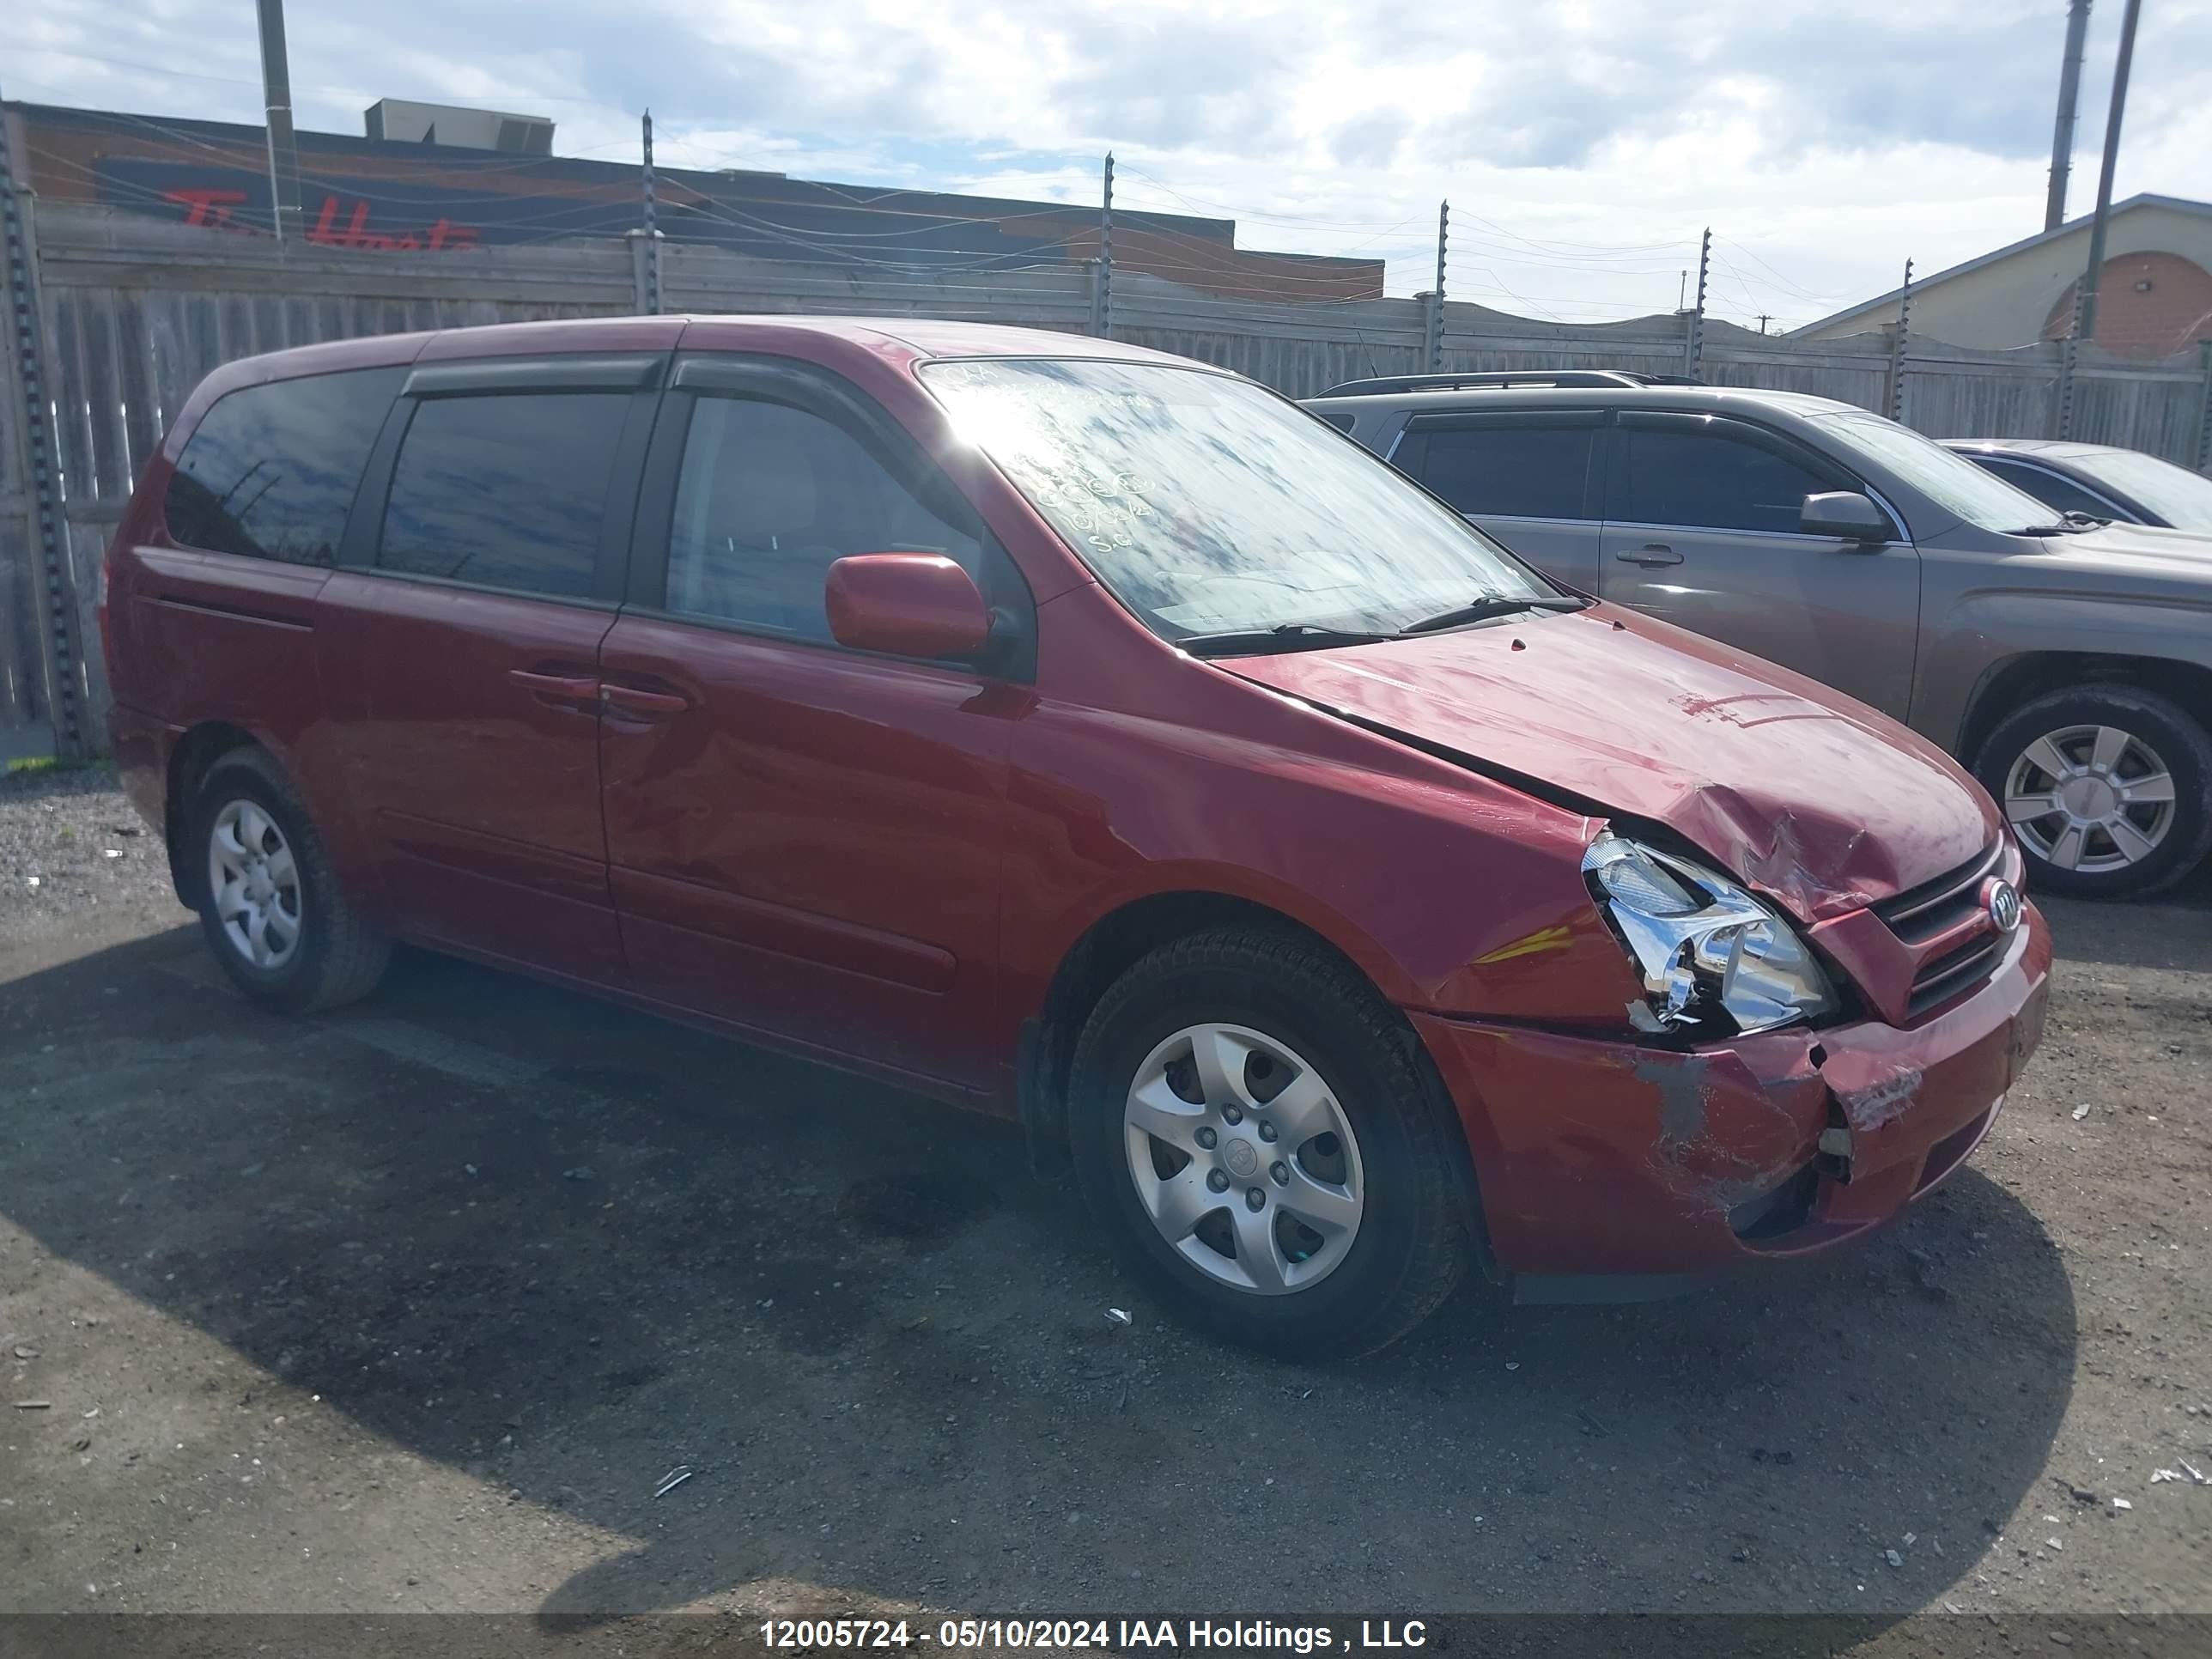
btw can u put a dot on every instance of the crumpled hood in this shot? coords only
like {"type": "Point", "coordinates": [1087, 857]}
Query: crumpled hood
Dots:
{"type": "Point", "coordinates": [1805, 795]}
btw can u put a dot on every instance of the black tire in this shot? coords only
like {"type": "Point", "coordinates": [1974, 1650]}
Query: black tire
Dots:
{"type": "Point", "coordinates": [1412, 1243]}
{"type": "Point", "coordinates": [338, 957]}
{"type": "Point", "coordinates": [2180, 742]}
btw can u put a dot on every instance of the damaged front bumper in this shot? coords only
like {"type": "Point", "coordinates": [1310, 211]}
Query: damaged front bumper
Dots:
{"type": "Point", "coordinates": [1638, 1164]}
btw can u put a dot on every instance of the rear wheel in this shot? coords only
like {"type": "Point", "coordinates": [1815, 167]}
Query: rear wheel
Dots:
{"type": "Point", "coordinates": [1269, 1147]}
{"type": "Point", "coordinates": [268, 902]}
{"type": "Point", "coordinates": [2108, 788]}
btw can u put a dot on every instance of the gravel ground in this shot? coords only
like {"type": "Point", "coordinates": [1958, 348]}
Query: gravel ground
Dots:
{"type": "Point", "coordinates": [71, 850]}
{"type": "Point", "coordinates": [413, 1306]}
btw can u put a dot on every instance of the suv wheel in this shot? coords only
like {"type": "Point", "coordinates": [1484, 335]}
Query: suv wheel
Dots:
{"type": "Point", "coordinates": [2109, 788]}
{"type": "Point", "coordinates": [268, 902]}
{"type": "Point", "coordinates": [1268, 1147]}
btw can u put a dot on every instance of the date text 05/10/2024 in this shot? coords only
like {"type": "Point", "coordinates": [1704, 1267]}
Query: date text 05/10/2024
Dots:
{"type": "Point", "coordinates": [1243, 1635]}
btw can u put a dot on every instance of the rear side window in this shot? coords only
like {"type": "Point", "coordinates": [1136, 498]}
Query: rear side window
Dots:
{"type": "Point", "coordinates": [2051, 490]}
{"type": "Point", "coordinates": [505, 489]}
{"type": "Point", "coordinates": [1705, 480]}
{"type": "Point", "coordinates": [270, 472]}
{"type": "Point", "coordinates": [769, 497]}
{"type": "Point", "coordinates": [1515, 472]}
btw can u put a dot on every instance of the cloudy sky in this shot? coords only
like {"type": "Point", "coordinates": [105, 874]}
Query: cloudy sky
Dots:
{"type": "Point", "coordinates": [1583, 144]}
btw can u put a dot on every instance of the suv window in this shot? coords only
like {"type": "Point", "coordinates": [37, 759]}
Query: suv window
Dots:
{"type": "Point", "coordinates": [508, 489]}
{"type": "Point", "coordinates": [1503, 471]}
{"type": "Point", "coordinates": [770, 495]}
{"type": "Point", "coordinates": [270, 471]}
{"type": "Point", "coordinates": [1705, 480]}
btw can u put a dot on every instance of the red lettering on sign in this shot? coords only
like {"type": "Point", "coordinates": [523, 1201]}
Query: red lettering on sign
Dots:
{"type": "Point", "coordinates": [213, 208]}
{"type": "Point", "coordinates": [206, 207]}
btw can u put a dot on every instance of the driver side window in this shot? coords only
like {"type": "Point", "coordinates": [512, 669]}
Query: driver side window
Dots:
{"type": "Point", "coordinates": [769, 497]}
{"type": "Point", "coordinates": [1707, 481]}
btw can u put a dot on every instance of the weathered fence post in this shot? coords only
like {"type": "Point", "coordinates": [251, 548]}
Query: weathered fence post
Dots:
{"type": "Point", "coordinates": [640, 273]}
{"type": "Point", "coordinates": [2204, 410]}
{"type": "Point", "coordinates": [1899, 334]}
{"type": "Point", "coordinates": [1436, 318]}
{"type": "Point", "coordinates": [2069, 350]}
{"type": "Point", "coordinates": [1694, 344]}
{"type": "Point", "coordinates": [1102, 284]}
{"type": "Point", "coordinates": [650, 307]}
{"type": "Point", "coordinates": [57, 632]}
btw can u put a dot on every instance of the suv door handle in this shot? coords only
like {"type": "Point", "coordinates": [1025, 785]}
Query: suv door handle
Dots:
{"type": "Point", "coordinates": [1648, 555]}
{"type": "Point", "coordinates": [558, 687]}
{"type": "Point", "coordinates": [631, 700]}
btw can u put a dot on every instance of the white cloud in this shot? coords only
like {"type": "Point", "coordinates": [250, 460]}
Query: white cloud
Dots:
{"type": "Point", "coordinates": [1584, 145]}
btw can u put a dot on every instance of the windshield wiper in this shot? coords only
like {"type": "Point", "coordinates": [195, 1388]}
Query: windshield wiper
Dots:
{"type": "Point", "coordinates": [1282, 637]}
{"type": "Point", "coordinates": [2073, 523]}
{"type": "Point", "coordinates": [1492, 605]}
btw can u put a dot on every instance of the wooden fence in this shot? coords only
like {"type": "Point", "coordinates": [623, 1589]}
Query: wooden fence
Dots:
{"type": "Point", "coordinates": [128, 313]}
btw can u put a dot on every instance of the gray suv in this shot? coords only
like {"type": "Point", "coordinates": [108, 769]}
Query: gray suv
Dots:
{"type": "Point", "coordinates": [2068, 662]}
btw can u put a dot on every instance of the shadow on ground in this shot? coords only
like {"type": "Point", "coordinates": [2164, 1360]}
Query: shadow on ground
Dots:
{"type": "Point", "coordinates": [565, 1247]}
{"type": "Point", "coordinates": [2140, 934]}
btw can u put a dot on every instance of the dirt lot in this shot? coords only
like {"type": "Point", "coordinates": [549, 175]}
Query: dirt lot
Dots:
{"type": "Point", "coordinates": [413, 1306]}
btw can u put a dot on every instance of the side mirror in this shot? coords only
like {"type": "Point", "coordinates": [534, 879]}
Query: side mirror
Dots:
{"type": "Point", "coordinates": [1845, 513]}
{"type": "Point", "coordinates": [909, 604]}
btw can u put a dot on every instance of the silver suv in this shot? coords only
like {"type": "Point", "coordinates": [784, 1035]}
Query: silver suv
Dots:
{"type": "Point", "coordinates": [2067, 661]}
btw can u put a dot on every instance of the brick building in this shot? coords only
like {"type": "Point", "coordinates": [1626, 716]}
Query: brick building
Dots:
{"type": "Point", "coordinates": [429, 195]}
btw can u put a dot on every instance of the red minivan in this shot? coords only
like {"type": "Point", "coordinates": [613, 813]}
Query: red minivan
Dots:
{"type": "Point", "coordinates": [1082, 734]}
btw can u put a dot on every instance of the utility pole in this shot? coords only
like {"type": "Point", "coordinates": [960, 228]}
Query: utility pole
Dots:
{"type": "Point", "coordinates": [1695, 349]}
{"type": "Point", "coordinates": [2062, 136]}
{"type": "Point", "coordinates": [2085, 322]}
{"type": "Point", "coordinates": [1765, 318]}
{"type": "Point", "coordinates": [1103, 320]}
{"type": "Point", "coordinates": [277, 101]}
{"type": "Point", "coordinates": [1437, 315]}
{"type": "Point", "coordinates": [652, 228]}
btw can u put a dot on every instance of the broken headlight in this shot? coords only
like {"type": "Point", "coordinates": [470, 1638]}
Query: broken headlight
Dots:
{"type": "Point", "coordinates": [1714, 960]}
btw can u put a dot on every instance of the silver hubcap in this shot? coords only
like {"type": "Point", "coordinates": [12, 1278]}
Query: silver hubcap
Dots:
{"type": "Point", "coordinates": [1243, 1160]}
{"type": "Point", "coordinates": [2090, 798]}
{"type": "Point", "coordinates": [256, 883]}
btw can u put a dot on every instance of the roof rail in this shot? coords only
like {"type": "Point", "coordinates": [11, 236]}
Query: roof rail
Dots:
{"type": "Point", "coordinates": [1495, 380]}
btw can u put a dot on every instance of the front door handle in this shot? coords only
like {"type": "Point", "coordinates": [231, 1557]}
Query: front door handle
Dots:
{"type": "Point", "coordinates": [558, 687]}
{"type": "Point", "coordinates": [631, 700]}
{"type": "Point", "coordinates": [1651, 554]}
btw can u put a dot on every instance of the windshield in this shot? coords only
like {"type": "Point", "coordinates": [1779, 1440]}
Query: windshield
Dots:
{"type": "Point", "coordinates": [1208, 505]}
{"type": "Point", "coordinates": [1950, 480]}
{"type": "Point", "coordinates": [2182, 498]}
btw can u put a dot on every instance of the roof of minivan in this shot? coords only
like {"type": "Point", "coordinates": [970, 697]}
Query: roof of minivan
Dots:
{"type": "Point", "coordinates": [1656, 396]}
{"type": "Point", "coordinates": [919, 336]}
{"type": "Point", "coordinates": [902, 341]}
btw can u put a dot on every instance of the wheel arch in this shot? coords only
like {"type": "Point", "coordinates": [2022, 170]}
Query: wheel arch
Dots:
{"type": "Point", "coordinates": [2006, 685]}
{"type": "Point", "coordinates": [191, 759]}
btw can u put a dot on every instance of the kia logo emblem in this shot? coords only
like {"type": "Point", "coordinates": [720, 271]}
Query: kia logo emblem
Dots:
{"type": "Point", "coordinates": [2001, 899]}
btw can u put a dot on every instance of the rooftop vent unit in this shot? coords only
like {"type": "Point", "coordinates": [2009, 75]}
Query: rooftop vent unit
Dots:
{"type": "Point", "coordinates": [396, 121]}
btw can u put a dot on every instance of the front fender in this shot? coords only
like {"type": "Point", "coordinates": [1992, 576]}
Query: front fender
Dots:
{"type": "Point", "coordinates": [1984, 633]}
{"type": "Point", "coordinates": [1450, 891]}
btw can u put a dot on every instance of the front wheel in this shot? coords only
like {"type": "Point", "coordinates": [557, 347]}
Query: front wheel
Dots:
{"type": "Point", "coordinates": [2108, 788]}
{"type": "Point", "coordinates": [1268, 1145]}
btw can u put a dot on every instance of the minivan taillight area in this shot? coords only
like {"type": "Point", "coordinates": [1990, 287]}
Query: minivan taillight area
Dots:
{"type": "Point", "coordinates": [1182, 784]}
